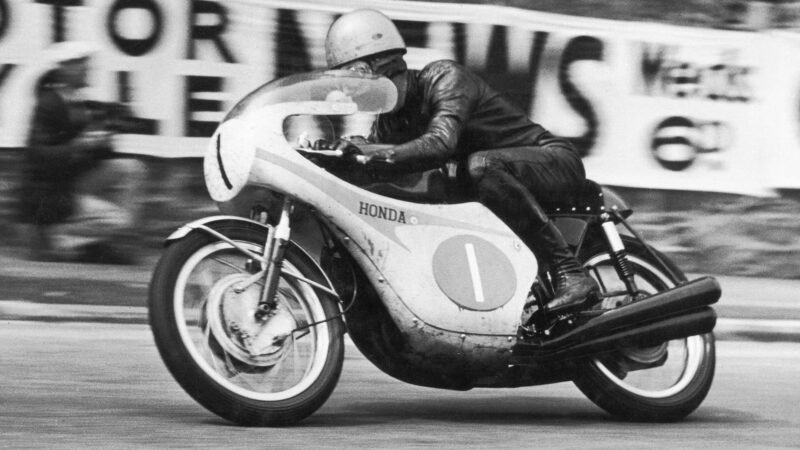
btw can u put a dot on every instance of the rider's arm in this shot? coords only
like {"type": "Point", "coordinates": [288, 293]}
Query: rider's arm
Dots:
{"type": "Point", "coordinates": [451, 93]}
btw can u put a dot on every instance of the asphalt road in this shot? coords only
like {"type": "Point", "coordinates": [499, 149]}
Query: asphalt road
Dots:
{"type": "Point", "coordinates": [78, 385]}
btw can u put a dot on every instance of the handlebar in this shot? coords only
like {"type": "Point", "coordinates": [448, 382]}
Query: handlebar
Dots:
{"type": "Point", "coordinates": [361, 159]}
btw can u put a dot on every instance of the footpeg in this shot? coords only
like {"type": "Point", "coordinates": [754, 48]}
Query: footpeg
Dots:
{"type": "Point", "coordinates": [546, 319]}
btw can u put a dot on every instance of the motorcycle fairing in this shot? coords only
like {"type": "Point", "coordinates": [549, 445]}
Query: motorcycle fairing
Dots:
{"type": "Point", "coordinates": [455, 267]}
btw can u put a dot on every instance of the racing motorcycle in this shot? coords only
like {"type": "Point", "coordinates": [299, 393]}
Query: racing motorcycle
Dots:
{"type": "Point", "coordinates": [250, 308]}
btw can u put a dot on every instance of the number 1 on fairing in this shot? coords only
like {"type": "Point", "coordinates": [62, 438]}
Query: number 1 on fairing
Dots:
{"type": "Point", "coordinates": [472, 262]}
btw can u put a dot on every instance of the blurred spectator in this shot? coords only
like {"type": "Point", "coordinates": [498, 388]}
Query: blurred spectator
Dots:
{"type": "Point", "coordinates": [71, 188]}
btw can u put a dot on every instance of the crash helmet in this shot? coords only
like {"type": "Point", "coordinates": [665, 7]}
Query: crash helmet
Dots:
{"type": "Point", "coordinates": [360, 34]}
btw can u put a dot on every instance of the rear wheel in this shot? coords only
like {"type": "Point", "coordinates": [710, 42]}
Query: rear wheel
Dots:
{"type": "Point", "coordinates": [658, 383]}
{"type": "Point", "coordinates": [252, 372]}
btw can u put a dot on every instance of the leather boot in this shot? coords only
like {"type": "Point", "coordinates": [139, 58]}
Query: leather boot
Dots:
{"type": "Point", "coordinates": [511, 200]}
{"type": "Point", "coordinates": [572, 285]}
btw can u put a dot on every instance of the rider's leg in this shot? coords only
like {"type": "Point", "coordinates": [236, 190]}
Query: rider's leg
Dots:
{"type": "Point", "coordinates": [496, 180]}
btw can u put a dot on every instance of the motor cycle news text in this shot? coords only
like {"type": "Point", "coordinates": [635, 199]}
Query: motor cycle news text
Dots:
{"type": "Point", "coordinates": [647, 105]}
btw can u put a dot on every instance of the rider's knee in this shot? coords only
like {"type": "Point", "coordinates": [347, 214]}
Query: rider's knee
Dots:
{"type": "Point", "coordinates": [482, 163]}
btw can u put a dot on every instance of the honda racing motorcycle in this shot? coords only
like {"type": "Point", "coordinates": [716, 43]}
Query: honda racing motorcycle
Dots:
{"type": "Point", "coordinates": [249, 309]}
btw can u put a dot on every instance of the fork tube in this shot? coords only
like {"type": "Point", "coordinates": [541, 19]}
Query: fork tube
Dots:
{"type": "Point", "coordinates": [618, 255]}
{"type": "Point", "coordinates": [268, 246]}
{"type": "Point", "coordinates": [283, 231]}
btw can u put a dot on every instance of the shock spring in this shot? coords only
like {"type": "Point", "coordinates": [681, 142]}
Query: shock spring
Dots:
{"type": "Point", "coordinates": [619, 257]}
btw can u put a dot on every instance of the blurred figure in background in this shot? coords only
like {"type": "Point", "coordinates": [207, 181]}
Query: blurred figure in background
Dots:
{"type": "Point", "coordinates": [78, 200]}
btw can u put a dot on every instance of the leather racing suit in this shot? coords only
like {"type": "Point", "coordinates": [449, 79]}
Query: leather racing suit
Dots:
{"type": "Point", "coordinates": [452, 114]}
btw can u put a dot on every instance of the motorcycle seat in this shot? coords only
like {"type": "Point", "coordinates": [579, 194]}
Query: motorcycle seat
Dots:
{"type": "Point", "coordinates": [592, 199]}
{"type": "Point", "coordinates": [437, 186]}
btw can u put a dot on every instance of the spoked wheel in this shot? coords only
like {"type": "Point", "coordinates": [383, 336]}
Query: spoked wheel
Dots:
{"type": "Point", "coordinates": [250, 370]}
{"type": "Point", "coordinates": [657, 383]}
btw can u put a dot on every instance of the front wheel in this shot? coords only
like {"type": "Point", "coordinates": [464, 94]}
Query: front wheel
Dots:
{"type": "Point", "coordinates": [202, 305]}
{"type": "Point", "coordinates": [658, 383]}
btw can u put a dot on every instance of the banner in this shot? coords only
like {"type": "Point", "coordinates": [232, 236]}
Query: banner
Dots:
{"type": "Point", "coordinates": [648, 105]}
{"type": "Point", "coordinates": [780, 123]}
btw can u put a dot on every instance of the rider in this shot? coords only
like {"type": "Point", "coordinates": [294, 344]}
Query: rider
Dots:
{"type": "Point", "coordinates": [446, 112]}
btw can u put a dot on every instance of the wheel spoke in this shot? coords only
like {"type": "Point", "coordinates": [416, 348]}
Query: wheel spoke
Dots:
{"type": "Point", "coordinates": [227, 263]}
{"type": "Point", "coordinates": [599, 279]}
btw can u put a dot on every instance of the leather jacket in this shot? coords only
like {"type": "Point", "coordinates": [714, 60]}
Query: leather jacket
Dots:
{"type": "Point", "coordinates": [450, 113]}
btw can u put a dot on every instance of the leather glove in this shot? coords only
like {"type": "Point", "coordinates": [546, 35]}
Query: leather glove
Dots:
{"type": "Point", "coordinates": [336, 155]}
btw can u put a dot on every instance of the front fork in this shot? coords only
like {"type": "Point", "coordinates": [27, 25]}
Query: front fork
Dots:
{"type": "Point", "coordinates": [274, 252]}
{"type": "Point", "coordinates": [619, 257]}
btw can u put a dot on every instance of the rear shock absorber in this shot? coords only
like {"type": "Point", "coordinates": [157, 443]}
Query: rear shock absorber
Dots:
{"type": "Point", "coordinates": [619, 257]}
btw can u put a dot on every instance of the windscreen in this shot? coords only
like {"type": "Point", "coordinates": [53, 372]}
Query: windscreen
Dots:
{"type": "Point", "coordinates": [371, 94]}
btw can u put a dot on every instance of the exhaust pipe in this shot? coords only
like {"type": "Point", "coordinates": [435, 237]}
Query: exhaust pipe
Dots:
{"type": "Point", "coordinates": [663, 316]}
{"type": "Point", "coordinates": [700, 321]}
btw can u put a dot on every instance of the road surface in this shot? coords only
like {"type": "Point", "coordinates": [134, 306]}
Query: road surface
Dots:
{"type": "Point", "coordinates": [77, 385]}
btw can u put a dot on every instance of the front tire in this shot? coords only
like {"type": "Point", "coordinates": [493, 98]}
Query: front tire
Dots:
{"type": "Point", "coordinates": [200, 325]}
{"type": "Point", "coordinates": [652, 384]}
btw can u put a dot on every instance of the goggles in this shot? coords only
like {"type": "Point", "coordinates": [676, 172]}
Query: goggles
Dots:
{"type": "Point", "coordinates": [387, 65]}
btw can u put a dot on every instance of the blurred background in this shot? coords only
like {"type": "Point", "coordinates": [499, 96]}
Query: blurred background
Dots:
{"type": "Point", "coordinates": [691, 110]}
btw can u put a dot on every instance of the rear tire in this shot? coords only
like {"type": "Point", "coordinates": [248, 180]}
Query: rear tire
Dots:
{"type": "Point", "coordinates": [270, 389]}
{"type": "Point", "coordinates": [674, 378]}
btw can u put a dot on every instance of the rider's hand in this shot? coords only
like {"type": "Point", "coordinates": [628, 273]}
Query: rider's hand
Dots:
{"type": "Point", "coordinates": [338, 154]}
{"type": "Point", "coordinates": [349, 149]}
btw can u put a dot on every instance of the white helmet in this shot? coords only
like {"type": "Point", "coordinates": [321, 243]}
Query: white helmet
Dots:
{"type": "Point", "coordinates": [358, 34]}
